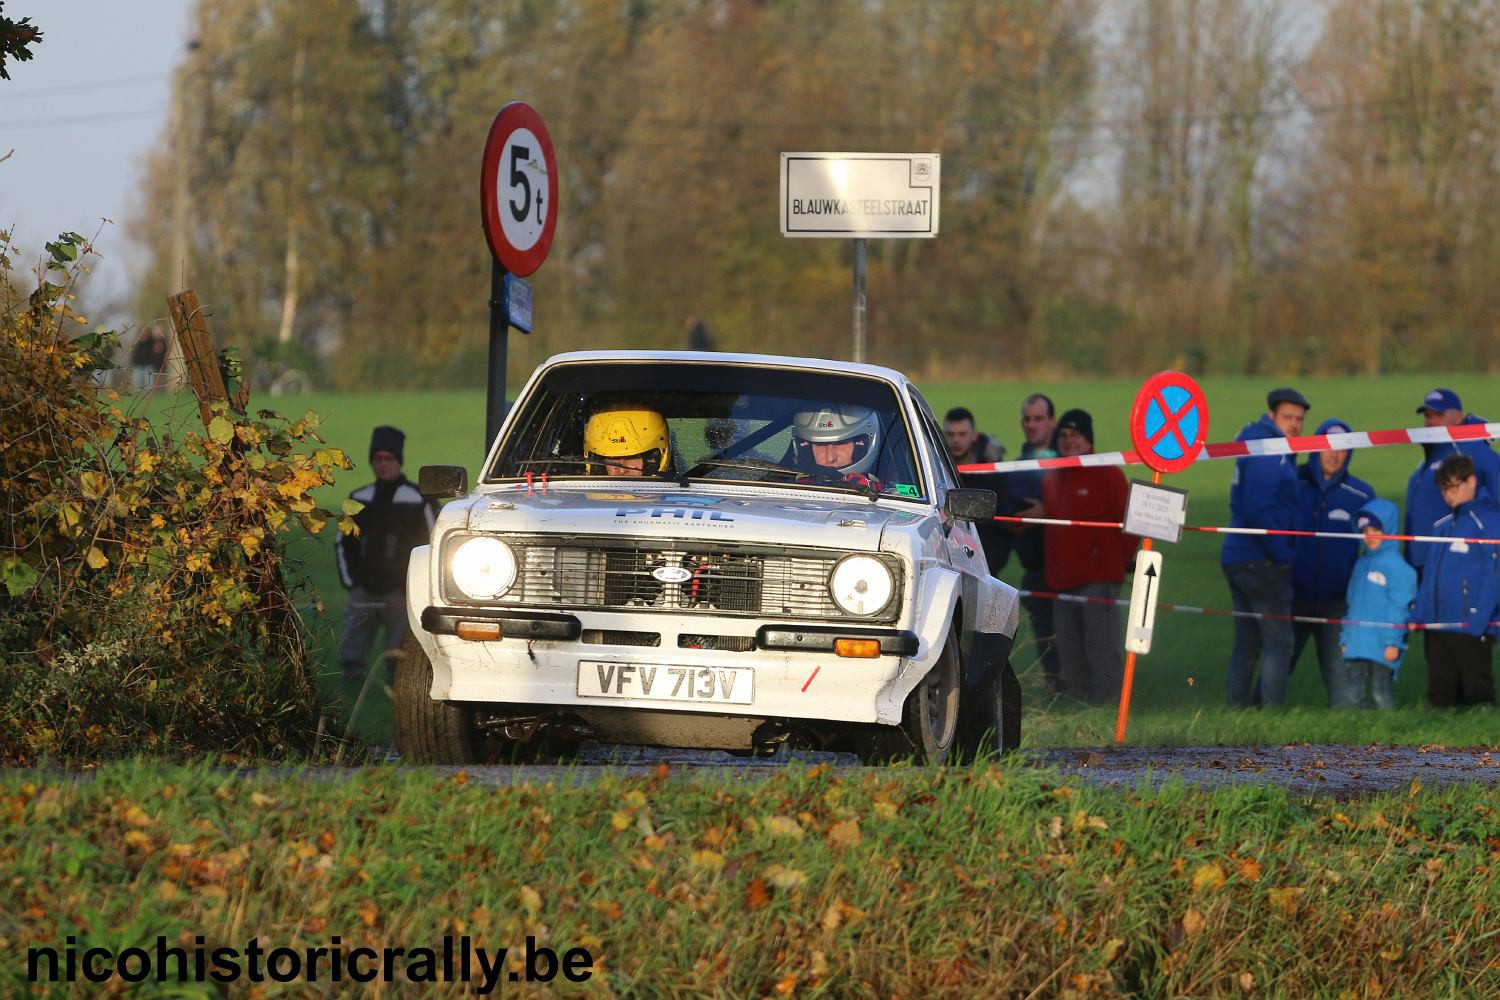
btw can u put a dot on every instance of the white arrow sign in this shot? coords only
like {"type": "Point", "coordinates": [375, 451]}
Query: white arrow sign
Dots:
{"type": "Point", "coordinates": [1144, 593]}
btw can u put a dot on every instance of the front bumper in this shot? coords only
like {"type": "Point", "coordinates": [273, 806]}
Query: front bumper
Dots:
{"type": "Point", "coordinates": [797, 674]}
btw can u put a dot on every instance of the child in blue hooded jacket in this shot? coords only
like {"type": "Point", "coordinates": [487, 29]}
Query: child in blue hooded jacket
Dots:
{"type": "Point", "coordinates": [1382, 587]}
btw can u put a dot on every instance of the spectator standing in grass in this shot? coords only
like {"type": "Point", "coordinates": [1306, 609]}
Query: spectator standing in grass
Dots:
{"type": "Point", "coordinates": [1087, 564]}
{"type": "Point", "coordinates": [1425, 503]}
{"type": "Point", "coordinates": [1263, 494]}
{"type": "Point", "coordinates": [1460, 587]}
{"type": "Point", "coordinates": [1329, 498]}
{"type": "Point", "coordinates": [966, 446]}
{"type": "Point", "coordinates": [1381, 589]}
{"type": "Point", "coordinates": [1038, 425]}
{"type": "Point", "coordinates": [147, 359]}
{"type": "Point", "coordinates": [372, 565]}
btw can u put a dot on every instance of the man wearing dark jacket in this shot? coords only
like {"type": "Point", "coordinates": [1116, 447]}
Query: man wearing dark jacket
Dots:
{"type": "Point", "coordinates": [1038, 425]}
{"type": "Point", "coordinates": [1461, 590]}
{"type": "Point", "coordinates": [1424, 501]}
{"type": "Point", "coordinates": [967, 446]}
{"type": "Point", "coordinates": [1329, 497]}
{"type": "Point", "coordinates": [372, 564]}
{"type": "Point", "coordinates": [1263, 494]}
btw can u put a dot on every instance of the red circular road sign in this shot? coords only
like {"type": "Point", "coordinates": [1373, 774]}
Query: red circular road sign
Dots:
{"type": "Point", "coordinates": [518, 189]}
{"type": "Point", "coordinates": [1169, 422]}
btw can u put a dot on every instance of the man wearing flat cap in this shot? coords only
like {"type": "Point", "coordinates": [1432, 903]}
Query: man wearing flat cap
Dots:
{"type": "Point", "coordinates": [1425, 503]}
{"type": "Point", "coordinates": [1263, 494]}
{"type": "Point", "coordinates": [372, 564]}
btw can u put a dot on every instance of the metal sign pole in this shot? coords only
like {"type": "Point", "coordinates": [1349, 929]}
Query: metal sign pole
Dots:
{"type": "Point", "coordinates": [861, 257]}
{"type": "Point", "coordinates": [494, 410]}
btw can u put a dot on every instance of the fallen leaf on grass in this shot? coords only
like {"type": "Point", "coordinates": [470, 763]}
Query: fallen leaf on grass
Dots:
{"type": "Point", "coordinates": [1287, 899]}
{"type": "Point", "coordinates": [1192, 921]}
{"type": "Point", "coordinates": [785, 878]}
{"type": "Point", "coordinates": [756, 896]}
{"type": "Point", "coordinates": [787, 984]}
{"type": "Point", "coordinates": [784, 826]}
{"type": "Point", "coordinates": [1209, 876]}
{"type": "Point", "coordinates": [1249, 869]}
{"type": "Point", "coordinates": [708, 860]}
{"type": "Point", "coordinates": [530, 899]}
{"type": "Point", "coordinates": [845, 834]}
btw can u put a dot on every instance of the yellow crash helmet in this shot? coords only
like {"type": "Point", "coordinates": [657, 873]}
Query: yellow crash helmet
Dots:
{"type": "Point", "coordinates": [620, 433]}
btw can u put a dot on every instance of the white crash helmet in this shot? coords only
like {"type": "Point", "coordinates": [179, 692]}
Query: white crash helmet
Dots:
{"type": "Point", "coordinates": [836, 423]}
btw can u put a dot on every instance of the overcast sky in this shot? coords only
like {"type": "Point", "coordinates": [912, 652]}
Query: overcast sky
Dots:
{"type": "Point", "coordinates": [79, 118]}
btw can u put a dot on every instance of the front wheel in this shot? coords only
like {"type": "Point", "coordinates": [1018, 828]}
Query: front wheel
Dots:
{"type": "Point", "coordinates": [992, 715]}
{"type": "Point", "coordinates": [428, 731]}
{"type": "Point", "coordinates": [929, 729]}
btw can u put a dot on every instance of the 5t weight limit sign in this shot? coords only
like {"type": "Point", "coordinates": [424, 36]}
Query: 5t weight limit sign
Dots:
{"type": "Point", "coordinates": [518, 189]}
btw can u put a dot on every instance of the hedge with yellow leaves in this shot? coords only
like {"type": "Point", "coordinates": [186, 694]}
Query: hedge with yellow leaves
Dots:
{"type": "Point", "coordinates": [144, 604]}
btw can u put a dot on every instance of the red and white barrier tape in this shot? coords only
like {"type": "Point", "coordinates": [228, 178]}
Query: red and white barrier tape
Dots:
{"type": "Point", "coordinates": [1051, 595]}
{"type": "Point", "coordinates": [1352, 440]}
{"type": "Point", "coordinates": [1207, 529]}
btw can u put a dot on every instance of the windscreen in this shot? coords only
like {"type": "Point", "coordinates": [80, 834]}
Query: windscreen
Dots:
{"type": "Point", "coordinates": [686, 422]}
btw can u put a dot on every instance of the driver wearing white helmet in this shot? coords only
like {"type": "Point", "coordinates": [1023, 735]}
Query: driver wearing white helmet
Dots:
{"type": "Point", "coordinates": [843, 439]}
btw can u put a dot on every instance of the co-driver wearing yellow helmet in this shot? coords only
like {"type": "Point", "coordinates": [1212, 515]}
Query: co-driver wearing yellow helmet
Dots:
{"type": "Point", "coordinates": [627, 441]}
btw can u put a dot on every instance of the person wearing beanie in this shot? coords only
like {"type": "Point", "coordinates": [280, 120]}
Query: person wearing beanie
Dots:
{"type": "Point", "coordinates": [1086, 563]}
{"type": "Point", "coordinates": [1258, 568]}
{"type": "Point", "coordinates": [372, 565]}
{"type": "Point", "coordinates": [1425, 505]}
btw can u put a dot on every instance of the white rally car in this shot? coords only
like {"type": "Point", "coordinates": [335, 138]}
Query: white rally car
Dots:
{"type": "Point", "coordinates": [708, 550]}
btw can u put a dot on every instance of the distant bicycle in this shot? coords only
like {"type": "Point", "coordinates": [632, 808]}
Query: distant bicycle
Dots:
{"type": "Point", "coordinates": [279, 380]}
{"type": "Point", "coordinates": [292, 382]}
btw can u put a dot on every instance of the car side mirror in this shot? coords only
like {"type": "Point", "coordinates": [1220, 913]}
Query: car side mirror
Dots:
{"type": "Point", "coordinates": [439, 482]}
{"type": "Point", "coordinates": [971, 505]}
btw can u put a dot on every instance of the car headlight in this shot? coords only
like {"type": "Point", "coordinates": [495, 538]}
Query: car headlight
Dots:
{"type": "Point", "coordinates": [483, 568]}
{"type": "Point", "coordinates": [861, 585]}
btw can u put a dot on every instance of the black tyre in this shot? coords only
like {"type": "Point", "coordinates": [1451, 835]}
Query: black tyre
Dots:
{"type": "Point", "coordinates": [931, 718]}
{"type": "Point", "coordinates": [427, 731]}
{"type": "Point", "coordinates": [993, 710]}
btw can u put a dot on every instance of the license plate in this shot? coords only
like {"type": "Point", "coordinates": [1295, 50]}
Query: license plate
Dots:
{"type": "Point", "coordinates": [720, 685]}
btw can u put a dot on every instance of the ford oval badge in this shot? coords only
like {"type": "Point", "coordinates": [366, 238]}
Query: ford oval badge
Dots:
{"type": "Point", "coordinates": [672, 574]}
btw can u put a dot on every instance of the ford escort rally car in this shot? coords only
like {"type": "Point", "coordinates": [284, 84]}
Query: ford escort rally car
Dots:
{"type": "Point", "coordinates": [726, 551]}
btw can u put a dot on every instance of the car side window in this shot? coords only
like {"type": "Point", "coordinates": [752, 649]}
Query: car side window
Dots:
{"type": "Point", "coordinates": [947, 472]}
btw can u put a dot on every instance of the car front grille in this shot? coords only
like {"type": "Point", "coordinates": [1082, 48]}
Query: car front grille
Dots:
{"type": "Point", "coordinates": [609, 573]}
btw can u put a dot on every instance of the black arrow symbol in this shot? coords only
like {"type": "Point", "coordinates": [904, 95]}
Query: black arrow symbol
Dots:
{"type": "Point", "coordinates": [1146, 604]}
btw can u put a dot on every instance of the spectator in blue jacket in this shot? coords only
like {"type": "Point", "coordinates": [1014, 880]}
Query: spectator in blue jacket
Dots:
{"type": "Point", "coordinates": [1263, 494]}
{"type": "Point", "coordinates": [1461, 587]}
{"type": "Point", "coordinates": [1424, 502]}
{"type": "Point", "coordinates": [1381, 589]}
{"type": "Point", "coordinates": [1329, 497]}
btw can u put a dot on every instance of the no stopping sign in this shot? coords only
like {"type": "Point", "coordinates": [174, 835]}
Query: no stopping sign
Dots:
{"type": "Point", "coordinates": [518, 189]}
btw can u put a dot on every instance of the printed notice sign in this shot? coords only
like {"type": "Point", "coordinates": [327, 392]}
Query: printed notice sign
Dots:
{"type": "Point", "coordinates": [890, 195]}
{"type": "Point", "coordinates": [1155, 511]}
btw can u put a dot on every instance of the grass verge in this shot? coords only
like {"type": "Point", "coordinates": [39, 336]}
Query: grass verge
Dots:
{"type": "Point", "coordinates": [995, 881]}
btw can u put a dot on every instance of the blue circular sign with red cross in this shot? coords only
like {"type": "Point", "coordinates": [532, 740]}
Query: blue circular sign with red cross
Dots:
{"type": "Point", "coordinates": [1169, 422]}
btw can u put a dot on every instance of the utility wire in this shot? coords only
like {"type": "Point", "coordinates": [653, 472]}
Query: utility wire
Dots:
{"type": "Point", "coordinates": [84, 87]}
{"type": "Point", "coordinates": [23, 124]}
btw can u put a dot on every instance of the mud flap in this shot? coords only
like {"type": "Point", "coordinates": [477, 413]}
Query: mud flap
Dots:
{"type": "Point", "coordinates": [991, 650]}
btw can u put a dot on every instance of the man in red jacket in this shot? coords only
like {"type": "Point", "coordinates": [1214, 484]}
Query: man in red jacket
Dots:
{"type": "Point", "coordinates": [1086, 563]}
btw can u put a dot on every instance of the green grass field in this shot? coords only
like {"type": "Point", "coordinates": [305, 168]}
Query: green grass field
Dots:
{"type": "Point", "coordinates": [1179, 688]}
{"type": "Point", "coordinates": [993, 881]}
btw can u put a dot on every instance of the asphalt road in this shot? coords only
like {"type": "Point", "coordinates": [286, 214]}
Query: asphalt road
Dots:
{"type": "Point", "coordinates": [1341, 771]}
